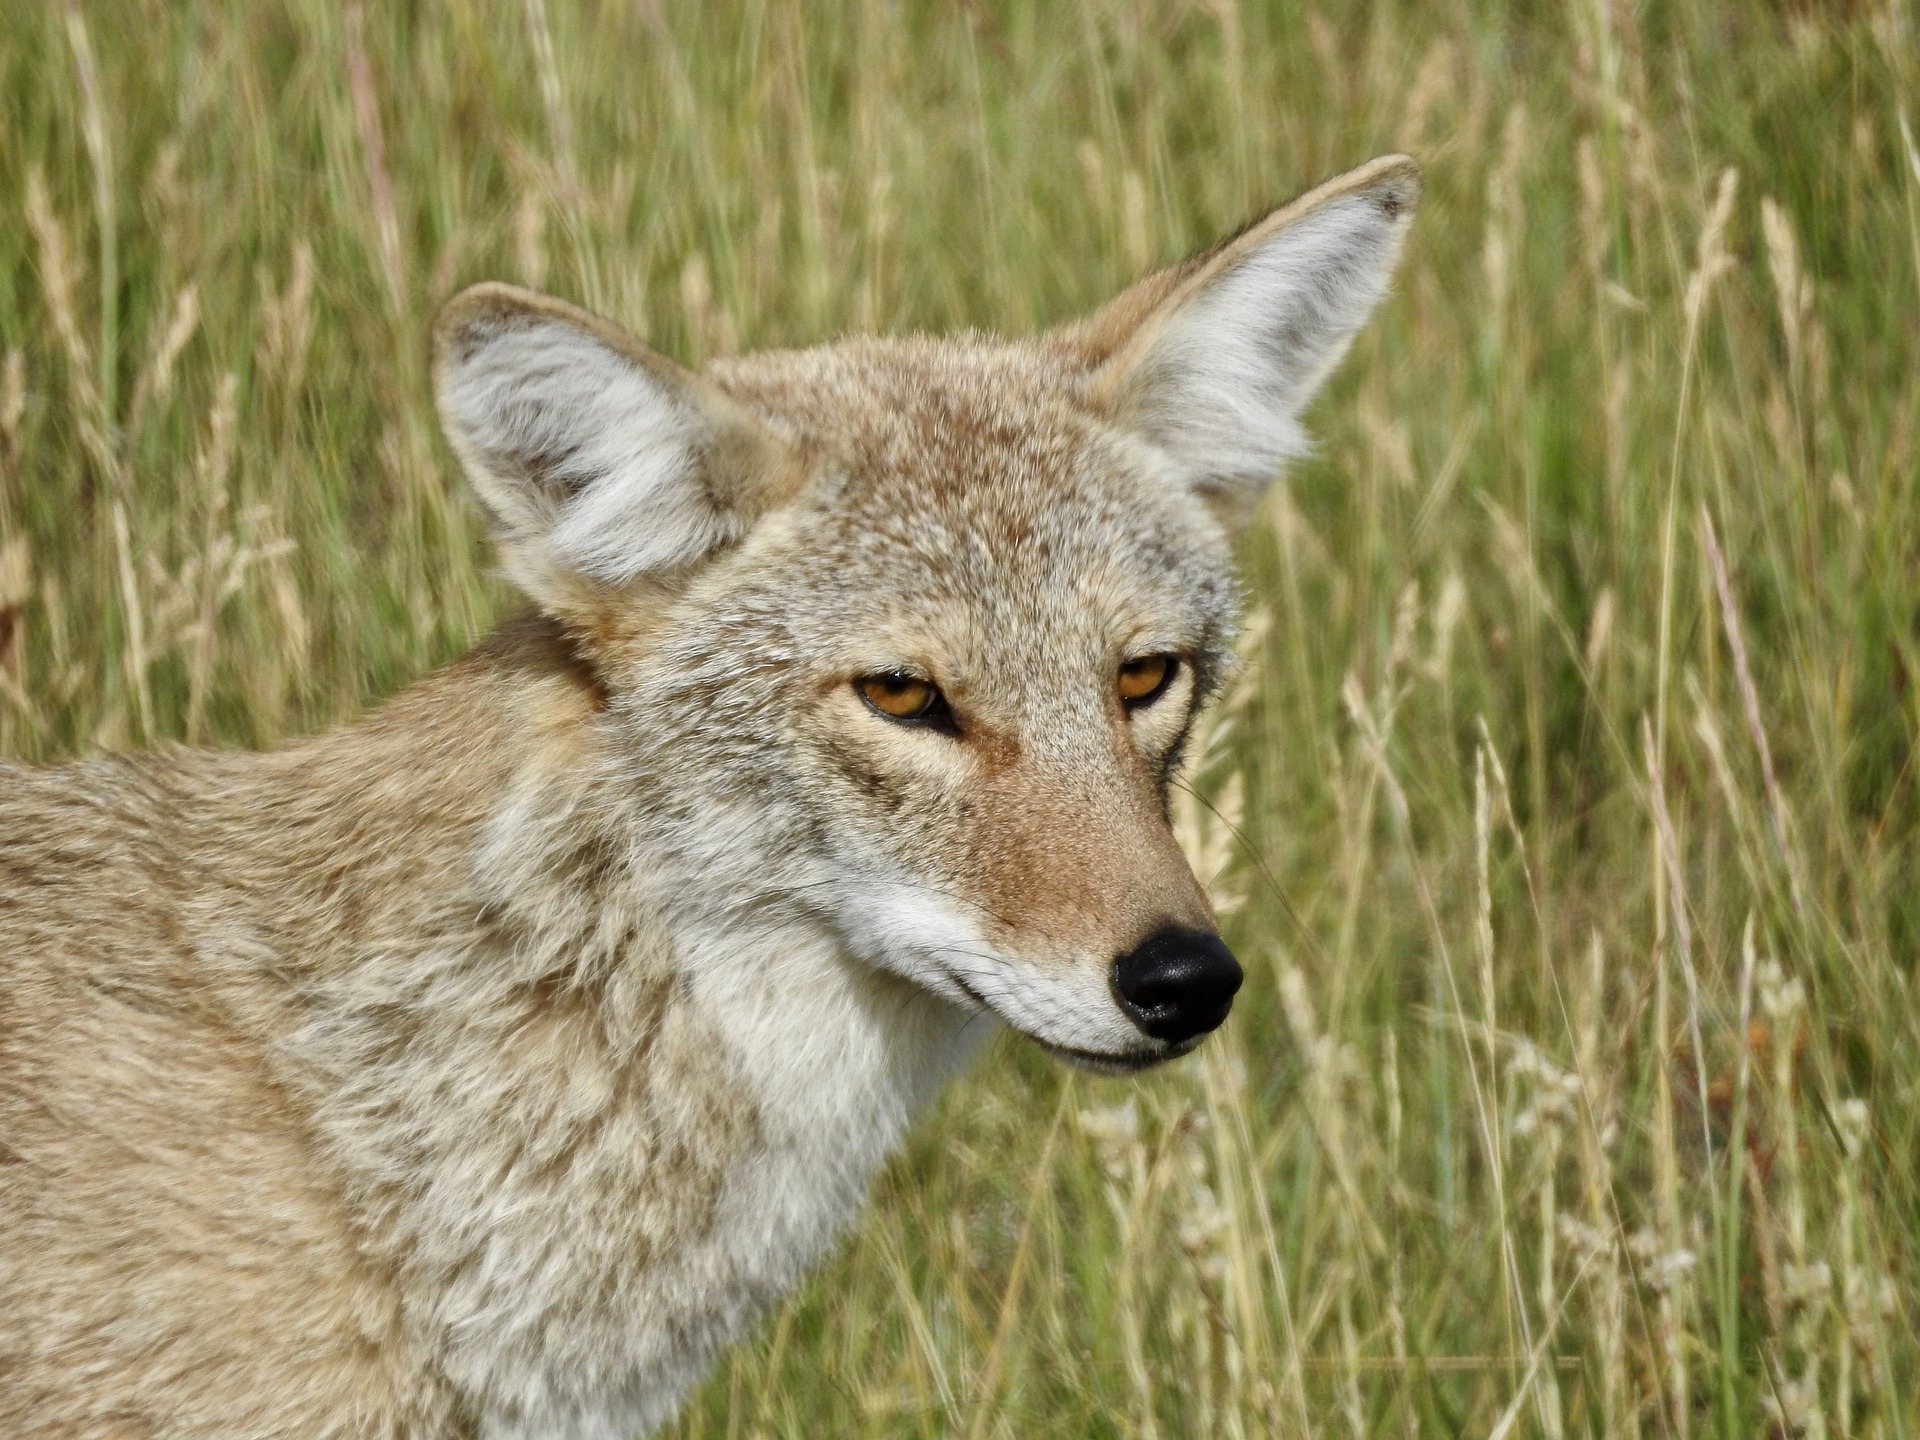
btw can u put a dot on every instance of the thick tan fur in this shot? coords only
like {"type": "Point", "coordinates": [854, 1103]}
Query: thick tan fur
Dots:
{"type": "Point", "coordinates": [485, 1067]}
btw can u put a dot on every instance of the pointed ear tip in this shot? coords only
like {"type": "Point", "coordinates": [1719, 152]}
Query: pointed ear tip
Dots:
{"type": "Point", "coordinates": [476, 314]}
{"type": "Point", "coordinates": [469, 316]}
{"type": "Point", "coordinates": [1396, 181]}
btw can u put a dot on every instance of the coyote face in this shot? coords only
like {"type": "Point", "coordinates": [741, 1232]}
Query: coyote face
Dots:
{"type": "Point", "coordinates": [968, 655]}
{"type": "Point", "coordinates": [911, 633]}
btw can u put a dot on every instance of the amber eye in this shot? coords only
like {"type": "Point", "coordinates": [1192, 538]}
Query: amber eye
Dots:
{"type": "Point", "coordinates": [901, 697]}
{"type": "Point", "coordinates": [1146, 679]}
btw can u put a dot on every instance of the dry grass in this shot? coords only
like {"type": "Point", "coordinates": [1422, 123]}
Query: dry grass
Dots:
{"type": "Point", "coordinates": [1569, 801]}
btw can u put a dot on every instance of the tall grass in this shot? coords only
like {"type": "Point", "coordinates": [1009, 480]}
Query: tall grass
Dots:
{"type": "Point", "coordinates": [1566, 808]}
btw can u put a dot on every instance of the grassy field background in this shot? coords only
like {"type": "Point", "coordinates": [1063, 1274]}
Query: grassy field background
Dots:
{"type": "Point", "coordinates": [1566, 811]}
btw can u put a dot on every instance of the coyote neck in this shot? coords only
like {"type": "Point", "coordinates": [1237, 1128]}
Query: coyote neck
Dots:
{"type": "Point", "coordinates": [627, 1122]}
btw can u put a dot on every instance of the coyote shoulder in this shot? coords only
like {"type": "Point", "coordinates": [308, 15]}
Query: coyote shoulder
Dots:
{"type": "Point", "coordinates": [484, 1068]}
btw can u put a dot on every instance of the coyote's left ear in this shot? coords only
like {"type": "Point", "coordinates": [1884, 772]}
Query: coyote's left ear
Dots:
{"type": "Point", "coordinates": [600, 463]}
{"type": "Point", "coordinates": [1215, 359]}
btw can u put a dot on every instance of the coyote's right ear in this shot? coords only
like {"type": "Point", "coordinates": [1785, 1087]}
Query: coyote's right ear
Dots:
{"type": "Point", "coordinates": [599, 462]}
{"type": "Point", "coordinates": [1214, 359]}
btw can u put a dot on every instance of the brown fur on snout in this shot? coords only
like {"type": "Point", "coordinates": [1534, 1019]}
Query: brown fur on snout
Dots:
{"type": "Point", "coordinates": [1078, 871]}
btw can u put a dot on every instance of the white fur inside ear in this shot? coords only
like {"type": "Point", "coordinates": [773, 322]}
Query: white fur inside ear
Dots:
{"type": "Point", "coordinates": [579, 450]}
{"type": "Point", "coordinates": [1223, 381]}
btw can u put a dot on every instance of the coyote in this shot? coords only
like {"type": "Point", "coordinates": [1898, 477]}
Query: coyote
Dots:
{"type": "Point", "coordinates": [484, 1068]}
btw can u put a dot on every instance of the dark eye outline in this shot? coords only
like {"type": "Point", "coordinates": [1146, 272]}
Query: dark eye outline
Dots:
{"type": "Point", "coordinates": [1140, 702]}
{"type": "Point", "coordinates": [935, 714]}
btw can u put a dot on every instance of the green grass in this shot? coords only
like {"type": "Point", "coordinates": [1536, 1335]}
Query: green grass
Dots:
{"type": "Point", "coordinates": [1576, 1088]}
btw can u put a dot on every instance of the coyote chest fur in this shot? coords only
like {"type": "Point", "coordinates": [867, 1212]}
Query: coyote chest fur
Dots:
{"type": "Point", "coordinates": [484, 1068]}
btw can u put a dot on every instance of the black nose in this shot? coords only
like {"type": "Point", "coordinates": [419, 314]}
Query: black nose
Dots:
{"type": "Point", "coordinates": [1177, 983]}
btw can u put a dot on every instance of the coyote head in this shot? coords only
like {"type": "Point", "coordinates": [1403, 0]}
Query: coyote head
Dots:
{"type": "Point", "coordinates": [910, 633]}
